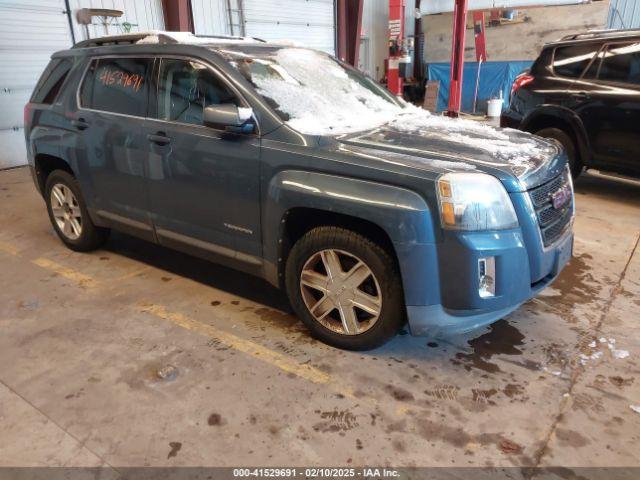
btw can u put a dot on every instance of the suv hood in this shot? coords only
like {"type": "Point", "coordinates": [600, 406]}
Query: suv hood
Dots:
{"type": "Point", "coordinates": [519, 160]}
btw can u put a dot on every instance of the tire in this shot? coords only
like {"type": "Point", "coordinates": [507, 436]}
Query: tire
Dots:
{"type": "Point", "coordinates": [78, 233]}
{"type": "Point", "coordinates": [346, 296]}
{"type": "Point", "coordinates": [569, 145]}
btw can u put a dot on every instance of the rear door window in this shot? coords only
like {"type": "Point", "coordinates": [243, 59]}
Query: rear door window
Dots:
{"type": "Point", "coordinates": [572, 60]}
{"type": "Point", "coordinates": [117, 85]}
{"type": "Point", "coordinates": [621, 63]}
{"type": "Point", "coordinates": [51, 81]}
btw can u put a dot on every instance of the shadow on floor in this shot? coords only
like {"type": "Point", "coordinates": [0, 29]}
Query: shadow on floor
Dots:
{"type": "Point", "coordinates": [201, 271]}
{"type": "Point", "coordinates": [622, 190]}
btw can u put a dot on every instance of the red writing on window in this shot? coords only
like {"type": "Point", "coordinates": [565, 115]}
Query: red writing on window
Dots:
{"type": "Point", "coordinates": [118, 77]}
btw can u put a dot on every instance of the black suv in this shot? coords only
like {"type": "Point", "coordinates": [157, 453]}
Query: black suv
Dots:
{"type": "Point", "coordinates": [584, 91]}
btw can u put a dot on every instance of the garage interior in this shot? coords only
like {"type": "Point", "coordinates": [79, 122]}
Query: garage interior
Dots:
{"type": "Point", "coordinates": [140, 356]}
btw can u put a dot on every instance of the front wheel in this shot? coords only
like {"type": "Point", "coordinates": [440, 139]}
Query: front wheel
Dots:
{"type": "Point", "coordinates": [345, 288]}
{"type": "Point", "coordinates": [569, 146]}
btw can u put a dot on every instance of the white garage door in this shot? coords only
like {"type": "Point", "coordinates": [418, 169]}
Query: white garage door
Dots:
{"type": "Point", "coordinates": [309, 22]}
{"type": "Point", "coordinates": [30, 31]}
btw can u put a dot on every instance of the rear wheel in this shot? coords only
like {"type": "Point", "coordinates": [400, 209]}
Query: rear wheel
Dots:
{"type": "Point", "coordinates": [68, 213]}
{"type": "Point", "coordinates": [569, 145]}
{"type": "Point", "coordinates": [345, 288]}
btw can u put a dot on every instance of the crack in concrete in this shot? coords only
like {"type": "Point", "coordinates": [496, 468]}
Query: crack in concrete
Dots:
{"type": "Point", "coordinates": [576, 373]}
{"type": "Point", "coordinates": [81, 443]}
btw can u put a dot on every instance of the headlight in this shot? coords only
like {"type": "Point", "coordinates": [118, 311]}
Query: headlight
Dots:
{"type": "Point", "coordinates": [474, 201]}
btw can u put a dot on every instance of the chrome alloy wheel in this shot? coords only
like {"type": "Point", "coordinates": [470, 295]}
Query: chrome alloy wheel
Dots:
{"type": "Point", "coordinates": [341, 292]}
{"type": "Point", "coordinates": [66, 211]}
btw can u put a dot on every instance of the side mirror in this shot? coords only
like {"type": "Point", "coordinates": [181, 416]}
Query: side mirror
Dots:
{"type": "Point", "coordinates": [229, 116]}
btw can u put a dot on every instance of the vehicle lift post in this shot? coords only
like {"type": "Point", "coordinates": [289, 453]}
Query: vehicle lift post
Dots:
{"type": "Point", "coordinates": [457, 57]}
{"type": "Point", "coordinates": [396, 46]}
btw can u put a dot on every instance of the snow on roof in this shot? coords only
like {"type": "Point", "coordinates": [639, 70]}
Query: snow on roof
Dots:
{"type": "Point", "coordinates": [156, 36]}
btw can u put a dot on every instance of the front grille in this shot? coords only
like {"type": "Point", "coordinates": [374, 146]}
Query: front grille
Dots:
{"type": "Point", "coordinates": [552, 221]}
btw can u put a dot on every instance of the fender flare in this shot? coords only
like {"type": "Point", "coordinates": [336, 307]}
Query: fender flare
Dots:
{"type": "Point", "coordinates": [402, 214]}
{"type": "Point", "coordinates": [568, 116]}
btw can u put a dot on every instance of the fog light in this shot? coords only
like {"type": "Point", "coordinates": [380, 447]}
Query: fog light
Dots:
{"type": "Point", "coordinates": [487, 277]}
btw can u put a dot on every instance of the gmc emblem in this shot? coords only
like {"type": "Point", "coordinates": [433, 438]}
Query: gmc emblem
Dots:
{"type": "Point", "coordinates": [561, 197]}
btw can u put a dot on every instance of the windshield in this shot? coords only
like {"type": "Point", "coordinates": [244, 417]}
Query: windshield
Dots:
{"type": "Point", "coordinates": [315, 94]}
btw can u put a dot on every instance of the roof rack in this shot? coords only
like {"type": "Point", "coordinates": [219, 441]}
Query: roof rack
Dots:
{"type": "Point", "coordinates": [114, 40]}
{"type": "Point", "coordinates": [593, 34]}
{"type": "Point", "coordinates": [162, 38]}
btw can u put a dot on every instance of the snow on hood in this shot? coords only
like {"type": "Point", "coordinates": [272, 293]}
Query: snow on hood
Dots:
{"type": "Point", "coordinates": [321, 97]}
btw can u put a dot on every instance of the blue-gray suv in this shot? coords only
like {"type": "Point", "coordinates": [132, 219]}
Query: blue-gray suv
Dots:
{"type": "Point", "coordinates": [285, 163]}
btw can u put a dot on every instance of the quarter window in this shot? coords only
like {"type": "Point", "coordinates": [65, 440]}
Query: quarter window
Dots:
{"type": "Point", "coordinates": [186, 88]}
{"type": "Point", "coordinates": [51, 81]}
{"type": "Point", "coordinates": [118, 85]}
{"type": "Point", "coordinates": [571, 61]}
{"type": "Point", "coordinates": [621, 63]}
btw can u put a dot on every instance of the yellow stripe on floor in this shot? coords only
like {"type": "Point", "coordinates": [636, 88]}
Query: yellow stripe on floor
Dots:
{"type": "Point", "coordinates": [66, 272]}
{"type": "Point", "coordinates": [264, 354]}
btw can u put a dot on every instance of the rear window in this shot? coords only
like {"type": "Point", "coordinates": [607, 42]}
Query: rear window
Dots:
{"type": "Point", "coordinates": [51, 81]}
{"type": "Point", "coordinates": [118, 85]}
{"type": "Point", "coordinates": [571, 61]}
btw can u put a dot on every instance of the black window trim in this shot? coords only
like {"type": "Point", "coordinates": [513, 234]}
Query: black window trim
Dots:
{"type": "Point", "coordinates": [218, 73]}
{"type": "Point", "coordinates": [553, 59]}
{"type": "Point", "coordinates": [86, 70]}
{"type": "Point", "coordinates": [601, 59]}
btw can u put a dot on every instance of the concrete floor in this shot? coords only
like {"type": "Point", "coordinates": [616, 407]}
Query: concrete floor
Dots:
{"type": "Point", "coordinates": [83, 337]}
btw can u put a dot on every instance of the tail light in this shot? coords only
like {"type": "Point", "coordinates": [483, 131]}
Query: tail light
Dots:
{"type": "Point", "coordinates": [520, 81]}
{"type": "Point", "coordinates": [27, 115]}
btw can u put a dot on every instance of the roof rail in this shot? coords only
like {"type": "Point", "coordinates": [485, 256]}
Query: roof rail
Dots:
{"type": "Point", "coordinates": [162, 38]}
{"type": "Point", "coordinates": [593, 34]}
{"type": "Point", "coordinates": [122, 40]}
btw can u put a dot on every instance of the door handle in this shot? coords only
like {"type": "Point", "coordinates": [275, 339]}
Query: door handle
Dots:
{"type": "Point", "coordinates": [581, 96]}
{"type": "Point", "coordinates": [80, 124]}
{"type": "Point", "coordinates": [159, 138]}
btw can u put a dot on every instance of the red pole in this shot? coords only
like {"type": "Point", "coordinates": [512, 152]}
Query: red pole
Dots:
{"type": "Point", "coordinates": [457, 57]}
{"type": "Point", "coordinates": [396, 36]}
{"type": "Point", "coordinates": [177, 15]}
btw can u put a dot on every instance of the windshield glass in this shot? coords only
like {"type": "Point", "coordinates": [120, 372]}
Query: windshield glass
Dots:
{"type": "Point", "coordinates": [315, 94]}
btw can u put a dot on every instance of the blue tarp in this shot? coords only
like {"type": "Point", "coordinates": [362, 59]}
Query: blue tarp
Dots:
{"type": "Point", "coordinates": [494, 76]}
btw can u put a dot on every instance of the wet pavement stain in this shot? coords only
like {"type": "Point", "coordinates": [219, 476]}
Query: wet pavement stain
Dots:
{"type": "Point", "coordinates": [512, 390]}
{"type": "Point", "coordinates": [576, 283]}
{"type": "Point", "coordinates": [618, 381]}
{"type": "Point", "coordinates": [214, 420]}
{"type": "Point", "coordinates": [399, 446]}
{"type": "Point", "coordinates": [399, 394]}
{"type": "Point", "coordinates": [570, 438]}
{"type": "Point", "coordinates": [458, 437]}
{"type": "Point", "coordinates": [175, 448]}
{"type": "Point", "coordinates": [276, 318]}
{"type": "Point", "coordinates": [502, 339]}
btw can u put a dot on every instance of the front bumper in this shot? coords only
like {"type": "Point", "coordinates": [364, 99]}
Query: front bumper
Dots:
{"type": "Point", "coordinates": [462, 309]}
